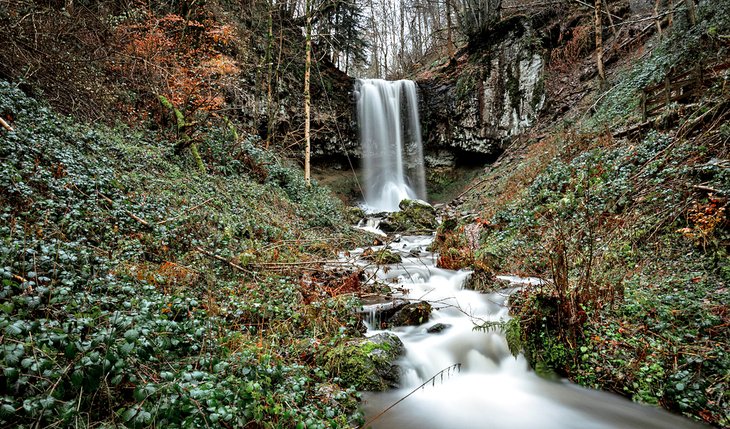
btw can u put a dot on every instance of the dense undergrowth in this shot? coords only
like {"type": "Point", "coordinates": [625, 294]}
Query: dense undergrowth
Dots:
{"type": "Point", "coordinates": [631, 233]}
{"type": "Point", "coordinates": [138, 291]}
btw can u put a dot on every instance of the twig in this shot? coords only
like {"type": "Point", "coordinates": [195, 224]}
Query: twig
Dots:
{"type": "Point", "coordinates": [6, 125]}
{"type": "Point", "coordinates": [222, 259]}
{"type": "Point", "coordinates": [130, 214]}
{"type": "Point", "coordinates": [162, 222]}
{"type": "Point", "coordinates": [708, 189]}
{"type": "Point", "coordinates": [471, 188]}
{"type": "Point", "coordinates": [457, 366]}
{"type": "Point", "coordinates": [593, 7]}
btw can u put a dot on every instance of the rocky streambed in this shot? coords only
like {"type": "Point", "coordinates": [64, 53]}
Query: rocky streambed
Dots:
{"type": "Point", "coordinates": [435, 356]}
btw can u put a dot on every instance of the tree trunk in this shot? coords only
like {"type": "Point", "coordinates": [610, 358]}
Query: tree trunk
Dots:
{"type": "Point", "coordinates": [307, 66]}
{"type": "Point", "coordinates": [449, 37]}
{"type": "Point", "coordinates": [599, 45]}
{"type": "Point", "coordinates": [691, 11]}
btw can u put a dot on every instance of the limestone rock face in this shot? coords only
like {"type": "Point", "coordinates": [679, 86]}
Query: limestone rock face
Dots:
{"type": "Point", "coordinates": [493, 96]}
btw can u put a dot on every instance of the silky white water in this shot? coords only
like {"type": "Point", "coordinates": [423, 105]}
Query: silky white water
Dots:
{"type": "Point", "coordinates": [390, 136]}
{"type": "Point", "coordinates": [493, 390]}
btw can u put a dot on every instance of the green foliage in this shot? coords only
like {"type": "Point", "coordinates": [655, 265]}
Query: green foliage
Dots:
{"type": "Point", "coordinates": [109, 315]}
{"type": "Point", "coordinates": [683, 48]}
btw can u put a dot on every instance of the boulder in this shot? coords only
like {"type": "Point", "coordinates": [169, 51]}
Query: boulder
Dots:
{"type": "Point", "coordinates": [437, 328]}
{"type": "Point", "coordinates": [367, 363]}
{"type": "Point", "coordinates": [414, 216]}
{"type": "Point", "coordinates": [383, 256]}
{"type": "Point", "coordinates": [354, 215]}
{"type": "Point", "coordinates": [413, 314]}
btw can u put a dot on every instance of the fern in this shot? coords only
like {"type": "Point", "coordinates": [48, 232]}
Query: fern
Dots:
{"type": "Point", "coordinates": [511, 330]}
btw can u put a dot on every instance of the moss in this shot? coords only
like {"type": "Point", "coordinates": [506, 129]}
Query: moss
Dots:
{"type": "Point", "coordinates": [382, 256]}
{"type": "Point", "coordinates": [538, 93]}
{"type": "Point", "coordinates": [366, 364]}
{"type": "Point", "coordinates": [466, 84]}
{"type": "Point", "coordinates": [512, 87]}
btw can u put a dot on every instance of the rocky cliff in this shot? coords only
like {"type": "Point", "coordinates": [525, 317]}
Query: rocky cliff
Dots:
{"type": "Point", "coordinates": [488, 94]}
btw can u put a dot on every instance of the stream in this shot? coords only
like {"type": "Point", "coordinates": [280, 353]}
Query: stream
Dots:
{"type": "Point", "coordinates": [485, 386]}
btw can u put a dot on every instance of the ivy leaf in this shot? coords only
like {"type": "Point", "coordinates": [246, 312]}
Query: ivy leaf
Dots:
{"type": "Point", "coordinates": [7, 410]}
{"type": "Point", "coordinates": [131, 335]}
{"type": "Point", "coordinates": [129, 414]}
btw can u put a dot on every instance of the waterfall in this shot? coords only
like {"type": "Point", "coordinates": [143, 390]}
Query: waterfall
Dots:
{"type": "Point", "coordinates": [390, 135]}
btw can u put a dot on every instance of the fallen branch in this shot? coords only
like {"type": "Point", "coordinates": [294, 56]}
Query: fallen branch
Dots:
{"type": "Point", "coordinates": [631, 130]}
{"type": "Point", "coordinates": [708, 189]}
{"type": "Point", "coordinates": [130, 214]}
{"type": "Point", "coordinates": [162, 222]}
{"type": "Point", "coordinates": [222, 259]}
{"type": "Point", "coordinates": [6, 125]}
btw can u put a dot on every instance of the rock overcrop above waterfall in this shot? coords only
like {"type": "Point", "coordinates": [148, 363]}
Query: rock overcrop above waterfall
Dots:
{"type": "Point", "coordinates": [489, 94]}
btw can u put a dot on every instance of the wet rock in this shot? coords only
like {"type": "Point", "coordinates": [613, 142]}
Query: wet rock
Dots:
{"type": "Point", "coordinates": [382, 256]}
{"type": "Point", "coordinates": [437, 328]}
{"type": "Point", "coordinates": [481, 281]}
{"type": "Point", "coordinates": [367, 363]}
{"type": "Point", "coordinates": [412, 314]}
{"type": "Point", "coordinates": [354, 215]}
{"type": "Point", "coordinates": [415, 215]}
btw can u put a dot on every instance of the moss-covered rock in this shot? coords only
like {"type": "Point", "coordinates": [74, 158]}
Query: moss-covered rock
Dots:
{"type": "Point", "coordinates": [354, 214]}
{"type": "Point", "coordinates": [414, 216]}
{"type": "Point", "coordinates": [481, 281]}
{"type": "Point", "coordinates": [412, 314]}
{"type": "Point", "coordinates": [367, 363]}
{"type": "Point", "coordinates": [383, 256]}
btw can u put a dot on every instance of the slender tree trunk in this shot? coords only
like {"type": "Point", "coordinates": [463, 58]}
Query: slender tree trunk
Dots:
{"type": "Point", "coordinates": [657, 4]}
{"type": "Point", "coordinates": [307, 66]}
{"type": "Point", "coordinates": [691, 11]}
{"type": "Point", "coordinates": [670, 6]}
{"type": "Point", "coordinates": [449, 37]}
{"type": "Point", "coordinates": [599, 45]}
{"type": "Point", "coordinates": [270, 76]}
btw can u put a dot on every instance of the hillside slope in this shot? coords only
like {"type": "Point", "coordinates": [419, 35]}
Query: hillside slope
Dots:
{"type": "Point", "coordinates": [138, 291]}
{"type": "Point", "coordinates": [627, 221]}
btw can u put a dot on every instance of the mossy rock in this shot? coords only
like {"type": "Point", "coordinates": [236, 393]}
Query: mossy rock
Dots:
{"type": "Point", "coordinates": [382, 256]}
{"type": "Point", "coordinates": [414, 216]}
{"type": "Point", "coordinates": [367, 363]}
{"type": "Point", "coordinates": [412, 314]}
{"type": "Point", "coordinates": [481, 281]}
{"type": "Point", "coordinates": [354, 215]}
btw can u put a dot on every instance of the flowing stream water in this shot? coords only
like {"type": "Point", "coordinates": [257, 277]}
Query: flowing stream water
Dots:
{"type": "Point", "coordinates": [478, 383]}
{"type": "Point", "coordinates": [390, 136]}
{"type": "Point", "coordinates": [491, 389]}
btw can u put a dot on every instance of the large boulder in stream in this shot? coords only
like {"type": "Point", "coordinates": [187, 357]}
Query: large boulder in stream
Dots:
{"type": "Point", "coordinates": [367, 363]}
{"type": "Point", "coordinates": [413, 314]}
{"type": "Point", "coordinates": [414, 216]}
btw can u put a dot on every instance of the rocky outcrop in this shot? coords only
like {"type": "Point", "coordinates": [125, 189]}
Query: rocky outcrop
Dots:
{"type": "Point", "coordinates": [490, 94]}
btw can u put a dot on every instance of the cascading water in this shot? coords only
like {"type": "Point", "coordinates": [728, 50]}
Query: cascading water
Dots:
{"type": "Point", "coordinates": [493, 390]}
{"type": "Point", "coordinates": [390, 135]}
